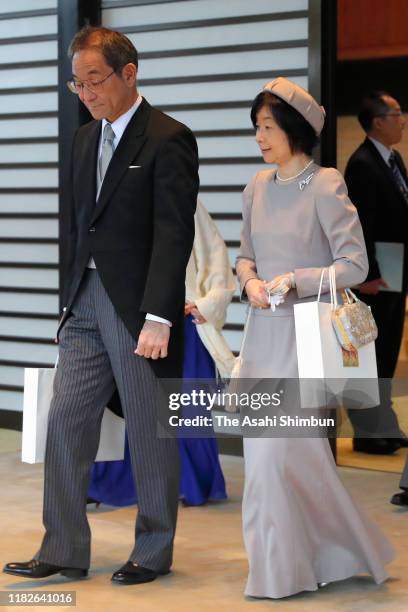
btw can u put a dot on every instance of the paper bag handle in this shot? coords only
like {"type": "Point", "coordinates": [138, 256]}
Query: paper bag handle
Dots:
{"type": "Point", "coordinates": [350, 296]}
{"type": "Point", "coordinates": [332, 296]}
{"type": "Point", "coordinates": [321, 283]}
{"type": "Point", "coordinates": [245, 330]}
{"type": "Point", "coordinates": [333, 288]}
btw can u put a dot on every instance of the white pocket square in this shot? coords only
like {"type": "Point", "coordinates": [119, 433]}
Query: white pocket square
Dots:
{"type": "Point", "coordinates": [134, 167]}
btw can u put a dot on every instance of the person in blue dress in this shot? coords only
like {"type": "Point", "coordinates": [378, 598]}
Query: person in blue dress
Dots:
{"type": "Point", "coordinates": [209, 289]}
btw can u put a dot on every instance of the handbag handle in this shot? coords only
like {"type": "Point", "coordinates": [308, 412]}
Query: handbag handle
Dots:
{"type": "Point", "coordinates": [349, 293]}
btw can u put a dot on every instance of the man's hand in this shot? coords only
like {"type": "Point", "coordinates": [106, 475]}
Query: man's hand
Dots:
{"type": "Point", "coordinates": [257, 294]}
{"type": "Point", "coordinates": [372, 287]}
{"type": "Point", "coordinates": [153, 340]}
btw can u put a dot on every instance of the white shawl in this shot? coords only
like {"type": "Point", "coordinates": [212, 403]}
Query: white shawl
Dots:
{"type": "Point", "coordinates": [210, 285]}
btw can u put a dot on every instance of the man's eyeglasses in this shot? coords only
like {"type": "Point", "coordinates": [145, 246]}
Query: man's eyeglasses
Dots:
{"type": "Point", "coordinates": [95, 87]}
{"type": "Point", "coordinates": [396, 114]}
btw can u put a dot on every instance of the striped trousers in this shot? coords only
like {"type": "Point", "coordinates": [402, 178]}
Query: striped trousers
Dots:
{"type": "Point", "coordinates": [95, 355]}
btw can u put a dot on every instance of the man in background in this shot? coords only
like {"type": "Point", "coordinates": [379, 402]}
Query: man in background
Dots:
{"type": "Point", "coordinates": [377, 181]}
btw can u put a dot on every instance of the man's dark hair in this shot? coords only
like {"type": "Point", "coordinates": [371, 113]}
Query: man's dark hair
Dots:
{"type": "Point", "coordinates": [372, 106]}
{"type": "Point", "coordinates": [301, 136]}
{"type": "Point", "coordinates": [115, 47]}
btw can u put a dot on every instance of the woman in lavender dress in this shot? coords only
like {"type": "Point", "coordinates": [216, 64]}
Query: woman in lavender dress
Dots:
{"type": "Point", "coordinates": [301, 528]}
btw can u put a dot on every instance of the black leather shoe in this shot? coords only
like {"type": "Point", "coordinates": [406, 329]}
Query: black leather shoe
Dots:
{"type": "Point", "coordinates": [131, 573]}
{"type": "Point", "coordinates": [400, 499]}
{"type": "Point", "coordinates": [38, 569]}
{"type": "Point", "coordinates": [376, 446]}
{"type": "Point", "coordinates": [403, 440]}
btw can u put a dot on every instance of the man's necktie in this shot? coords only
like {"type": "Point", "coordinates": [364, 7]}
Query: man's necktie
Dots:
{"type": "Point", "coordinates": [107, 150]}
{"type": "Point", "coordinates": [398, 178]}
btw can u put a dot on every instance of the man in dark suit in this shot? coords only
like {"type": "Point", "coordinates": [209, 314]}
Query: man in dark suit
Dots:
{"type": "Point", "coordinates": [132, 197]}
{"type": "Point", "coordinates": [377, 181]}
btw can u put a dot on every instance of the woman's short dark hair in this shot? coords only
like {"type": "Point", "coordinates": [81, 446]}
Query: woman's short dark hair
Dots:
{"type": "Point", "coordinates": [301, 136]}
{"type": "Point", "coordinates": [115, 47]}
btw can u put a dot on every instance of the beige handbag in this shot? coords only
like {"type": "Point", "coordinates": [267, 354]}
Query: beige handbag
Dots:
{"type": "Point", "coordinates": [353, 321]}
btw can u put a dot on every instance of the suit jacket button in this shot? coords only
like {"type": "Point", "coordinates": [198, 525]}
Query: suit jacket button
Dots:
{"type": "Point", "coordinates": [92, 229]}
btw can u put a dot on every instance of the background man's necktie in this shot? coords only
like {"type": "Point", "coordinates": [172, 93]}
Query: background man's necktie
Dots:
{"type": "Point", "coordinates": [107, 150]}
{"type": "Point", "coordinates": [398, 176]}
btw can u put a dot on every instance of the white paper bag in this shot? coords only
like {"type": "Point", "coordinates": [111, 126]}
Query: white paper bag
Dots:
{"type": "Point", "coordinates": [38, 392]}
{"type": "Point", "coordinates": [112, 439]}
{"type": "Point", "coordinates": [233, 387]}
{"type": "Point", "coordinates": [320, 356]}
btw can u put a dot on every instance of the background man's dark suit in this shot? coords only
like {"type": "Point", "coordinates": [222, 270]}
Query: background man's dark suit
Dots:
{"type": "Point", "coordinates": [140, 233]}
{"type": "Point", "coordinates": [383, 212]}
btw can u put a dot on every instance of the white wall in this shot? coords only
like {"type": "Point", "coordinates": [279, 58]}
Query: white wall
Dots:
{"type": "Point", "coordinates": [28, 191]}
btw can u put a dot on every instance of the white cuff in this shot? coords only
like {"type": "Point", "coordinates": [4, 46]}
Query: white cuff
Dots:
{"type": "Point", "coordinates": [152, 317]}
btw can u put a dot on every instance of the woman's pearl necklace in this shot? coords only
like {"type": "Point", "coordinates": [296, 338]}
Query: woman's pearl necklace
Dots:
{"type": "Point", "coordinates": [296, 175]}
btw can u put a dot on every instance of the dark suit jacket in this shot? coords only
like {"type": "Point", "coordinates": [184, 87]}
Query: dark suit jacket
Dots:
{"type": "Point", "coordinates": [381, 207]}
{"type": "Point", "coordinates": [141, 230]}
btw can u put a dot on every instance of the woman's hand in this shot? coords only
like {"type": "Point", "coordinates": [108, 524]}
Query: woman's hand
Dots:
{"type": "Point", "coordinates": [192, 309]}
{"type": "Point", "coordinates": [281, 284]}
{"type": "Point", "coordinates": [188, 307]}
{"type": "Point", "coordinates": [257, 294]}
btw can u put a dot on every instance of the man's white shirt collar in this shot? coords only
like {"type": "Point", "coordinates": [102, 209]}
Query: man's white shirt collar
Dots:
{"type": "Point", "coordinates": [120, 124]}
{"type": "Point", "coordinates": [384, 151]}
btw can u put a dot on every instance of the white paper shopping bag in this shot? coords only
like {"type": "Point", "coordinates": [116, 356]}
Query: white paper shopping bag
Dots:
{"type": "Point", "coordinates": [112, 438]}
{"type": "Point", "coordinates": [38, 392]}
{"type": "Point", "coordinates": [321, 357]}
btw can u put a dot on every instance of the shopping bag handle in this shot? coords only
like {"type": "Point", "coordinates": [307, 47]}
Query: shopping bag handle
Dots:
{"type": "Point", "coordinates": [350, 296]}
{"type": "Point", "coordinates": [321, 284]}
{"type": "Point", "coordinates": [246, 329]}
{"type": "Point", "coordinates": [332, 286]}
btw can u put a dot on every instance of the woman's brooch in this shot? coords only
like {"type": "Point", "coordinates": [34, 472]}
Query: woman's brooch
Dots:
{"type": "Point", "coordinates": [306, 181]}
